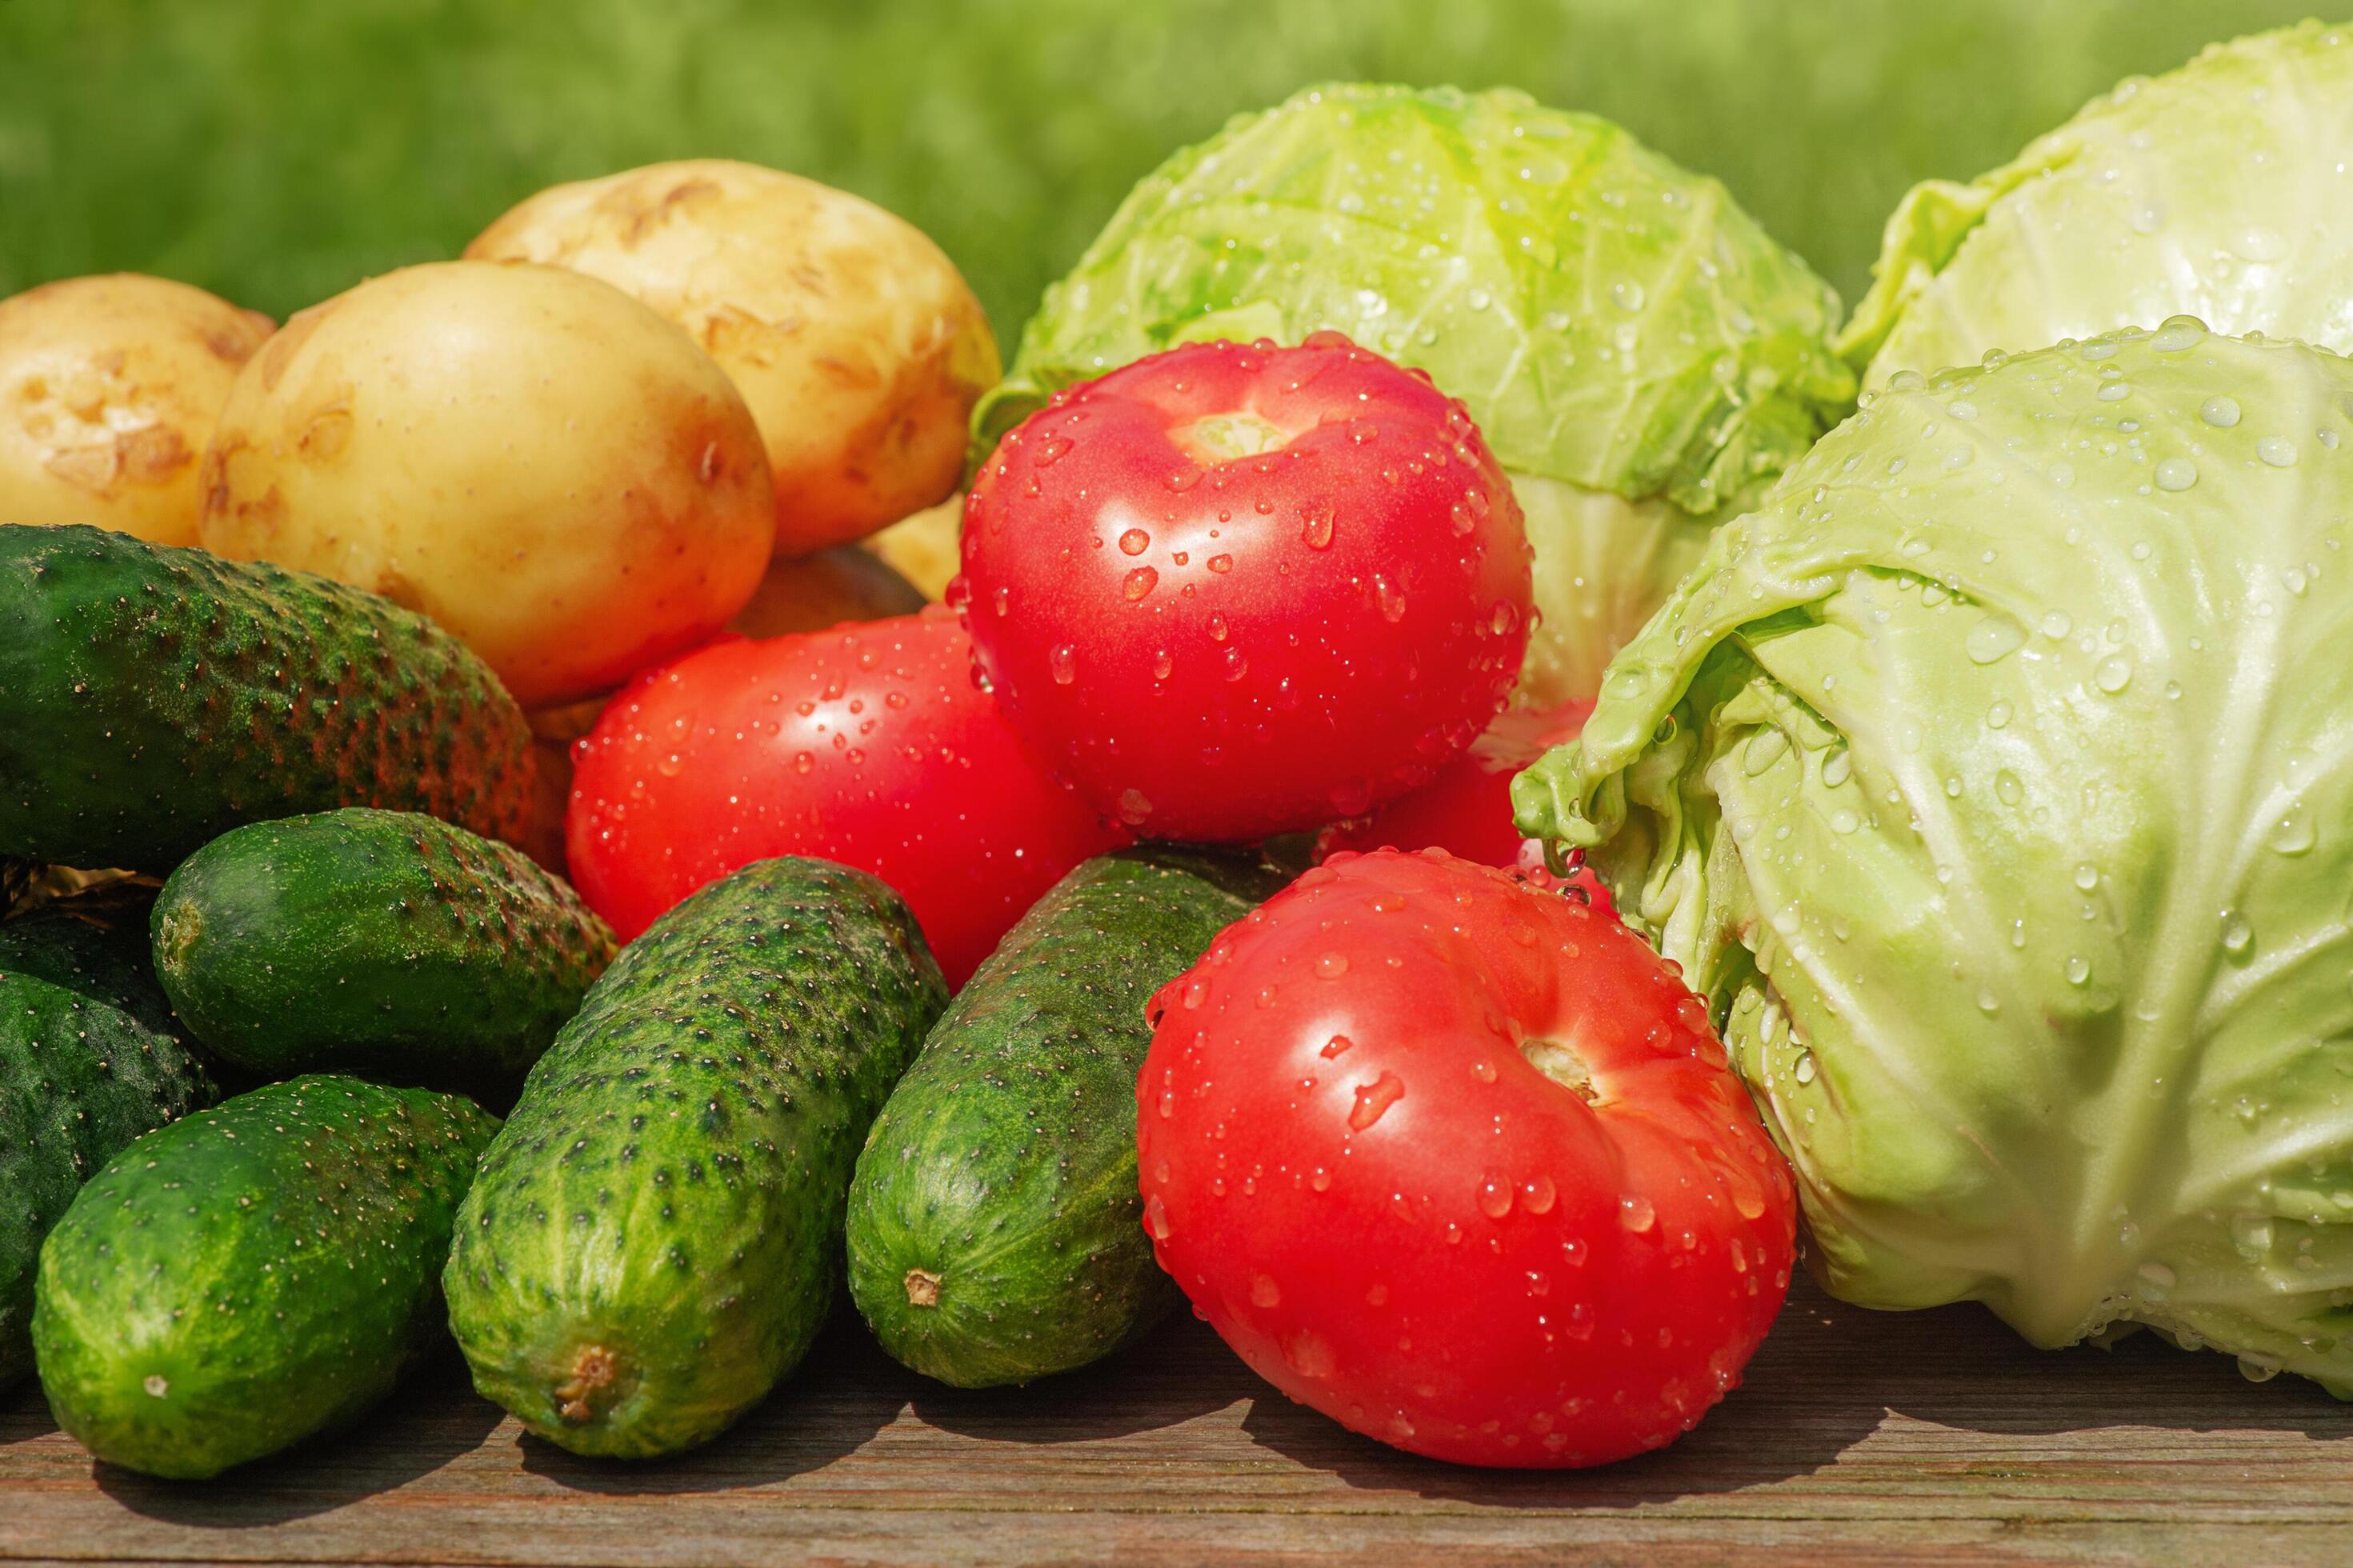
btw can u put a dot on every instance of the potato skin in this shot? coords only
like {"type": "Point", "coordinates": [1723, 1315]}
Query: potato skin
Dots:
{"type": "Point", "coordinates": [527, 455]}
{"type": "Point", "coordinates": [856, 342]}
{"type": "Point", "coordinates": [109, 386]}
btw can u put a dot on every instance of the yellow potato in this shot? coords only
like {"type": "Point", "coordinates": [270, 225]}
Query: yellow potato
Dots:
{"type": "Point", "coordinates": [528, 456]}
{"type": "Point", "coordinates": [924, 548]}
{"type": "Point", "coordinates": [108, 390]}
{"type": "Point", "coordinates": [855, 339]}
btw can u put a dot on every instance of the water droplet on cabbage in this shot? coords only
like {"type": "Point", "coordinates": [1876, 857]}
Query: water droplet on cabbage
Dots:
{"type": "Point", "coordinates": [1993, 638]}
{"type": "Point", "coordinates": [2293, 833]}
{"type": "Point", "coordinates": [2276, 450]}
{"type": "Point", "coordinates": [2113, 674]}
{"type": "Point", "coordinates": [2175, 474]}
{"type": "Point", "coordinates": [2238, 933]}
{"type": "Point", "coordinates": [2220, 411]}
{"type": "Point", "coordinates": [2079, 969]}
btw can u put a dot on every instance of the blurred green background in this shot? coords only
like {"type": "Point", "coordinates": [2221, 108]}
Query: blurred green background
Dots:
{"type": "Point", "coordinates": [277, 151]}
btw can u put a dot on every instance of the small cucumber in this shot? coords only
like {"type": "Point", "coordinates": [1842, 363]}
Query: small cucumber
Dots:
{"type": "Point", "coordinates": [379, 943]}
{"type": "Point", "coordinates": [656, 1236]}
{"type": "Point", "coordinates": [151, 698]}
{"type": "Point", "coordinates": [78, 1081]}
{"type": "Point", "coordinates": [254, 1274]}
{"type": "Point", "coordinates": [995, 1231]}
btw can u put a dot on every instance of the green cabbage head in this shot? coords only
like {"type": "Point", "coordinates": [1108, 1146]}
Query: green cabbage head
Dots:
{"type": "Point", "coordinates": [1642, 356]}
{"type": "Point", "coordinates": [2224, 190]}
{"type": "Point", "coordinates": [1994, 781]}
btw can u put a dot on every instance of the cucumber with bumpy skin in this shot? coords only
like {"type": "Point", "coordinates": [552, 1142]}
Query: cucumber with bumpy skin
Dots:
{"type": "Point", "coordinates": [254, 1274]}
{"type": "Point", "coordinates": [380, 942]}
{"type": "Point", "coordinates": [78, 1081]}
{"type": "Point", "coordinates": [656, 1236]}
{"type": "Point", "coordinates": [995, 1229]}
{"type": "Point", "coordinates": [151, 698]}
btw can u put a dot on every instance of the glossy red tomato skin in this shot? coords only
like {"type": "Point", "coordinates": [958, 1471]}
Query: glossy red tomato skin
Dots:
{"type": "Point", "coordinates": [1466, 810]}
{"type": "Point", "coordinates": [867, 745]}
{"type": "Point", "coordinates": [1222, 650]}
{"type": "Point", "coordinates": [1354, 1169]}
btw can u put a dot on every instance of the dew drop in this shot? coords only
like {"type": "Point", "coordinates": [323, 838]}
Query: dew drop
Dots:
{"type": "Point", "coordinates": [2293, 833]}
{"type": "Point", "coordinates": [1495, 1197]}
{"type": "Point", "coordinates": [1373, 1100]}
{"type": "Point", "coordinates": [1993, 638]}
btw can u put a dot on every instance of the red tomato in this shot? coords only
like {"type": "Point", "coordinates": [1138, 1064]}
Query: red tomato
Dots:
{"type": "Point", "coordinates": [1231, 592]}
{"type": "Point", "coordinates": [867, 745]}
{"type": "Point", "coordinates": [1466, 810]}
{"type": "Point", "coordinates": [1459, 1163]}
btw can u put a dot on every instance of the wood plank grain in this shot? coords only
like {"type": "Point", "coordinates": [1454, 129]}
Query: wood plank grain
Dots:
{"type": "Point", "coordinates": [1858, 1437]}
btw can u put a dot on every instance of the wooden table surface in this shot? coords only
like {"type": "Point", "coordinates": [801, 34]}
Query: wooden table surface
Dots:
{"type": "Point", "coordinates": [1858, 1437]}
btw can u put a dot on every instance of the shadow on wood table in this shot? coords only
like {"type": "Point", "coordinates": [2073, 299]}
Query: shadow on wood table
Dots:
{"type": "Point", "coordinates": [1861, 1437]}
{"type": "Point", "coordinates": [433, 1418]}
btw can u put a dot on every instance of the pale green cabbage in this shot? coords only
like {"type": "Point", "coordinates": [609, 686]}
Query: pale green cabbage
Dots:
{"type": "Point", "coordinates": [2223, 190]}
{"type": "Point", "coordinates": [1642, 356]}
{"type": "Point", "coordinates": [1994, 781]}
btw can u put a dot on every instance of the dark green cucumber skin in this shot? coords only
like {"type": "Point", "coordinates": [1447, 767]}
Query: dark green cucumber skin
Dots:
{"type": "Point", "coordinates": [254, 1274]}
{"type": "Point", "coordinates": [1003, 1168]}
{"type": "Point", "coordinates": [379, 943]}
{"type": "Point", "coordinates": [153, 697]}
{"type": "Point", "coordinates": [94, 944]}
{"type": "Point", "coordinates": [78, 1081]}
{"type": "Point", "coordinates": [656, 1236]}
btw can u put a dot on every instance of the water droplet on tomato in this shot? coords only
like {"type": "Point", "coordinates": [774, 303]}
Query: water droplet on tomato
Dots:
{"type": "Point", "coordinates": [1635, 1213]}
{"type": "Point", "coordinates": [1236, 665]}
{"type": "Point", "coordinates": [1156, 1218]}
{"type": "Point", "coordinates": [1374, 1099]}
{"type": "Point", "coordinates": [1134, 541]}
{"type": "Point", "coordinates": [1391, 598]}
{"type": "Point", "coordinates": [1332, 966]}
{"type": "Point", "coordinates": [1135, 806]}
{"type": "Point", "coordinates": [1336, 1044]}
{"type": "Point", "coordinates": [1506, 617]}
{"type": "Point", "coordinates": [1495, 1197]}
{"type": "Point", "coordinates": [1052, 451]}
{"type": "Point", "coordinates": [1062, 663]}
{"type": "Point", "coordinates": [1264, 1291]}
{"type": "Point", "coordinates": [1317, 530]}
{"type": "Point", "coordinates": [1001, 600]}
{"type": "Point", "coordinates": [1221, 563]}
{"type": "Point", "coordinates": [1138, 583]}
{"type": "Point", "coordinates": [1218, 629]}
{"type": "Point", "coordinates": [803, 762]}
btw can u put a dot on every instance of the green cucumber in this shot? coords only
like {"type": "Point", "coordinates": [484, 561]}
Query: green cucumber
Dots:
{"type": "Point", "coordinates": [78, 1081]}
{"type": "Point", "coordinates": [94, 944]}
{"type": "Point", "coordinates": [995, 1231]}
{"type": "Point", "coordinates": [379, 943]}
{"type": "Point", "coordinates": [151, 698]}
{"type": "Point", "coordinates": [656, 1236]}
{"type": "Point", "coordinates": [254, 1274]}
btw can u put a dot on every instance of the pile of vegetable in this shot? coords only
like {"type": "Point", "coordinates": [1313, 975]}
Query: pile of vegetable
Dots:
{"type": "Point", "coordinates": [497, 845]}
